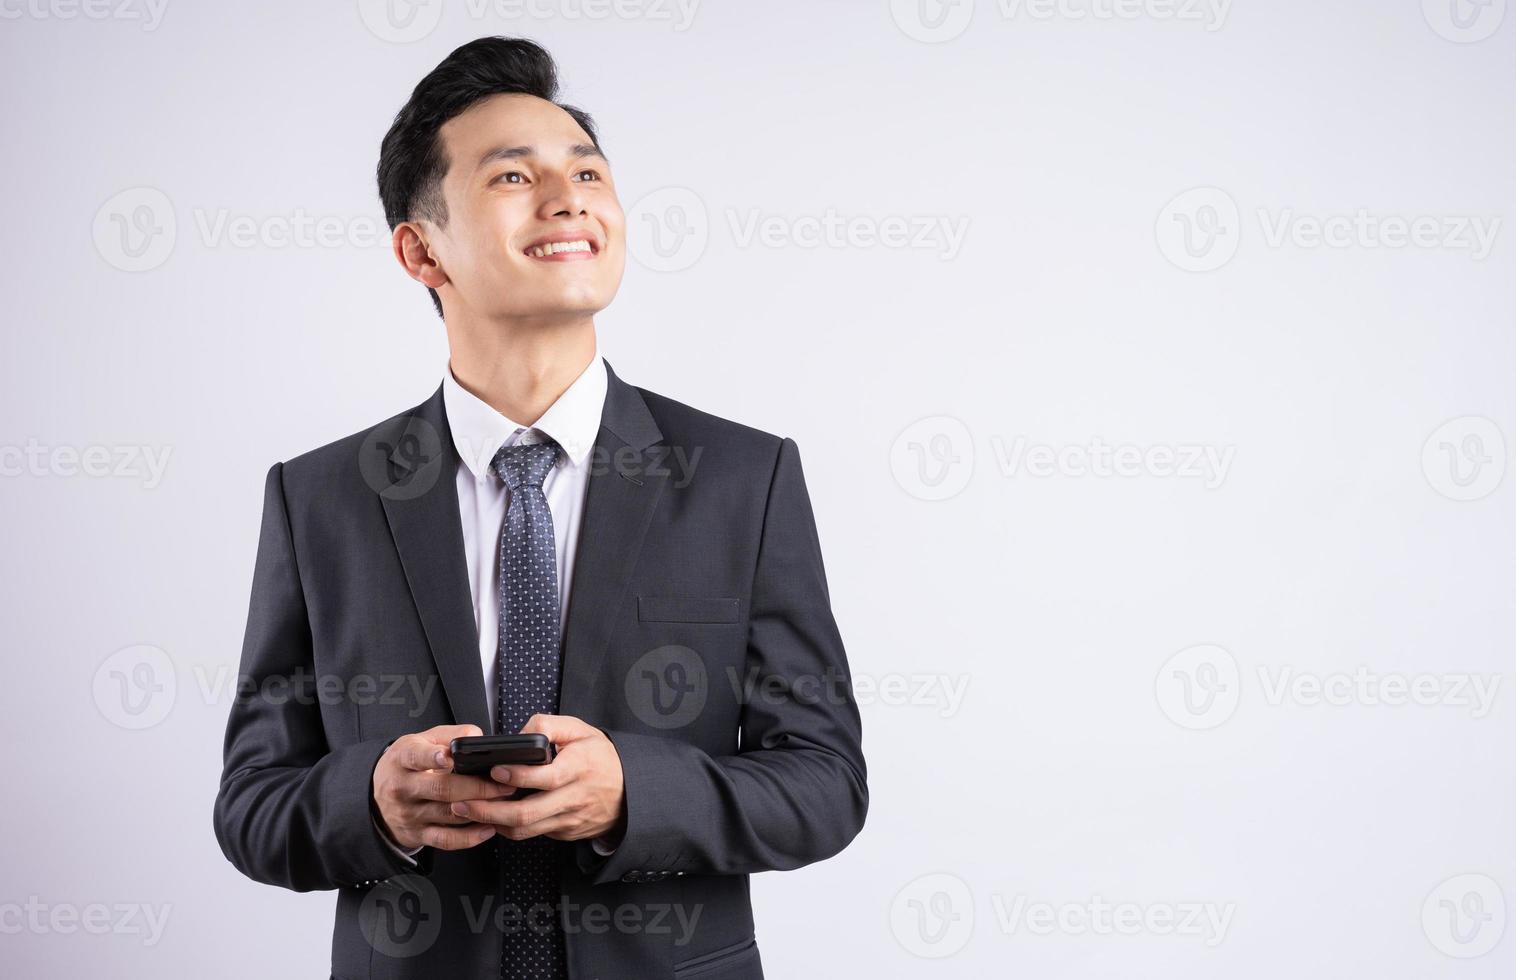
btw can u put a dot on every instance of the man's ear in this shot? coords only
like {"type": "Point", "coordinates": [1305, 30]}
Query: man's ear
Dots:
{"type": "Point", "coordinates": [409, 241]}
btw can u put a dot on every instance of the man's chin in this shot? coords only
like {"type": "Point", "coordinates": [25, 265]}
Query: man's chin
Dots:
{"type": "Point", "coordinates": [567, 308]}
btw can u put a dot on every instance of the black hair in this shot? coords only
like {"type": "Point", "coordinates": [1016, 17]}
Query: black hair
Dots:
{"type": "Point", "coordinates": [411, 158]}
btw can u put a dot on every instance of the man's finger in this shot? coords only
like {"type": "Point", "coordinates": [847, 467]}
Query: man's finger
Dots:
{"type": "Point", "coordinates": [432, 812]}
{"type": "Point", "coordinates": [456, 838]}
{"type": "Point", "coordinates": [447, 787]}
{"type": "Point", "coordinates": [564, 826]}
{"type": "Point", "coordinates": [429, 749]}
{"type": "Point", "coordinates": [560, 729]}
{"type": "Point", "coordinates": [560, 772]}
{"type": "Point", "coordinates": [519, 813]}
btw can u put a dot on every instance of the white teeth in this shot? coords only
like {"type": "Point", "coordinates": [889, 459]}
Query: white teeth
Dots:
{"type": "Point", "coordinates": [542, 251]}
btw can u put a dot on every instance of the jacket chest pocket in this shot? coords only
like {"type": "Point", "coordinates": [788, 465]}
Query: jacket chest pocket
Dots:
{"type": "Point", "coordinates": [687, 609]}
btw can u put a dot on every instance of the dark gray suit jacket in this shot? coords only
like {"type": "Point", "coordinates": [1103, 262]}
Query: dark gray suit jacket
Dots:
{"type": "Point", "coordinates": [699, 637]}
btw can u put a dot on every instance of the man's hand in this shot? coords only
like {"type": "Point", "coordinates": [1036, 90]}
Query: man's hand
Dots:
{"type": "Point", "coordinates": [581, 790]}
{"type": "Point", "coordinates": [413, 785]}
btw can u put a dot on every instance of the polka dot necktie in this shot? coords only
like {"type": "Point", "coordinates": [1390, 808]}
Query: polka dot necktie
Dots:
{"type": "Point", "coordinates": [532, 946]}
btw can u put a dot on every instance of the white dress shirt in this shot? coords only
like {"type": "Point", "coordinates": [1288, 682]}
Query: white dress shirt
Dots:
{"type": "Point", "coordinates": [573, 421]}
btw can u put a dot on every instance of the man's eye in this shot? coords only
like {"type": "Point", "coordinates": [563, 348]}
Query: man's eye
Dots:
{"type": "Point", "coordinates": [506, 177]}
{"type": "Point", "coordinates": [584, 175]}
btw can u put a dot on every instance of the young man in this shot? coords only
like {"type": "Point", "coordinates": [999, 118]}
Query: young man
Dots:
{"type": "Point", "coordinates": [538, 547]}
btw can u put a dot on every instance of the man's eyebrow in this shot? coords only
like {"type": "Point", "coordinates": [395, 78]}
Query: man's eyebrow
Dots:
{"type": "Point", "coordinates": [578, 151]}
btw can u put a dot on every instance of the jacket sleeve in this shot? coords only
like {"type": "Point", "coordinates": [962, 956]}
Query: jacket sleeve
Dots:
{"type": "Point", "coordinates": [795, 792]}
{"type": "Point", "coordinates": [291, 810]}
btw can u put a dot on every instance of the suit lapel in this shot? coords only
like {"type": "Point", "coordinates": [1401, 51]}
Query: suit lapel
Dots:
{"type": "Point", "coordinates": [627, 477]}
{"type": "Point", "coordinates": [421, 504]}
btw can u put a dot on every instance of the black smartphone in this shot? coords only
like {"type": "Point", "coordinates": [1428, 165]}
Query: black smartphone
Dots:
{"type": "Point", "coordinates": [474, 755]}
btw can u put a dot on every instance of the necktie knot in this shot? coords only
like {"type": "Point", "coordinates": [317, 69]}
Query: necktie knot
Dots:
{"type": "Point", "coordinates": [525, 464]}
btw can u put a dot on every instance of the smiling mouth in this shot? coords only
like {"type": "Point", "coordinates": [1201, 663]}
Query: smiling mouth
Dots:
{"type": "Point", "coordinates": [579, 249]}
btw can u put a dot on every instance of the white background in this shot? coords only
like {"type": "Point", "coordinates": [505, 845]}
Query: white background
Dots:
{"type": "Point", "coordinates": [1073, 771]}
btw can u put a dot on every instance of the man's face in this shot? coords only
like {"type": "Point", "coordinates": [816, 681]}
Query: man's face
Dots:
{"type": "Point", "coordinates": [534, 228]}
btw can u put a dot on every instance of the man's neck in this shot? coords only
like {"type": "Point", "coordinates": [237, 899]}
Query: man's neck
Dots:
{"type": "Point", "coordinates": [520, 369]}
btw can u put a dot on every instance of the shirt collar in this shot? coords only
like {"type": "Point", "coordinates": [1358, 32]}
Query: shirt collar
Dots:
{"type": "Point", "coordinates": [573, 421]}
